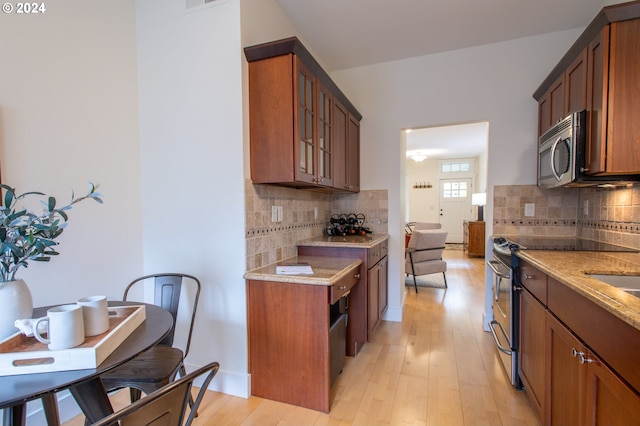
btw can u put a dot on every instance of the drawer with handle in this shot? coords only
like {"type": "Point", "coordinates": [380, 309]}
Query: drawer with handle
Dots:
{"type": "Point", "coordinates": [344, 285]}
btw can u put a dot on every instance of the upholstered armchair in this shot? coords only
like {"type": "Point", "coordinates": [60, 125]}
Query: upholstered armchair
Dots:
{"type": "Point", "coordinates": [423, 254]}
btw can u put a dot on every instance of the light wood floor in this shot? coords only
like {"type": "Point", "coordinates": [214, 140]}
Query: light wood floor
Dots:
{"type": "Point", "coordinates": [437, 367]}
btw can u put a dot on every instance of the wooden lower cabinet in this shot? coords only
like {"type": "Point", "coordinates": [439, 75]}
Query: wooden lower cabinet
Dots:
{"type": "Point", "coordinates": [582, 389]}
{"type": "Point", "coordinates": [369, 299]}
{"type": "Point", "coordinates": [473, 238]}
{"type": "Point", "coordinates": [378, 302]}
{"type": "Point", "coordinates": [290, 345]}
{"type": "Point", "coordinates": [609, 400]}
{"type": "Point", "coordinates": [566, 384]}
{"type": "Point", "coordinates": [532, 350]}
{"type": "Point", "coordinates": [565, 380]}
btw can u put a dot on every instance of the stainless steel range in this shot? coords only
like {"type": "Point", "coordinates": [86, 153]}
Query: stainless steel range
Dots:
{"type": "Point", "coordinates": [505, 286]}
{"type": "Point", "coordinates": [504, 327]}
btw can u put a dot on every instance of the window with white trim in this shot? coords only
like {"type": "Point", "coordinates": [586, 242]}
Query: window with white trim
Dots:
{"type": "Point", "coordinates": [455, 167]}
{"type": "Point", "coordinates": [455, 190]}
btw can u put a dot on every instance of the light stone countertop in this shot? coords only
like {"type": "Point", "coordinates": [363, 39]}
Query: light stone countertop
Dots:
{"type": "Point", "coordinates": [571, 268]}
{"type": "Point", "coordinates": [354, 241]}
{"type": "Point", "coordinates": [326, 270]}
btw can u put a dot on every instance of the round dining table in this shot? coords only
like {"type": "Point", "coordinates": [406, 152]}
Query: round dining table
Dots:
{"type": "Point", "coordinates": [85, 385]}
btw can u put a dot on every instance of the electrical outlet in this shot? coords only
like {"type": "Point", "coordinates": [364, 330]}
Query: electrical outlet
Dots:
{"type": "Point", "coordinates": [315, 213]}
{"type": "Point", "coordinates": [529, 209]}
{"type": "Point", "coordinates": [276, 213]}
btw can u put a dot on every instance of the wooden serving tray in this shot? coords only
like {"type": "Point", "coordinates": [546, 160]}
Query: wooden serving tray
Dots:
{"type": "Point", "coordinates": [20, 354]}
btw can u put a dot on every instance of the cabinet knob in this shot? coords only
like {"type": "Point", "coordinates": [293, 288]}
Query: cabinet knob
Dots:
{"type": "Point", "coordinates": [356, 276]}
{"type": "Point", "coordinates": [527, 277]}
{"type": "Point", "coordinates": [577, 354]}
{"type": "Point", "coordinates": [343, 287]}
{"type": "Point", "coordinates": [584, 169]}
{"type": "Point", "coordinates": [584, 360]}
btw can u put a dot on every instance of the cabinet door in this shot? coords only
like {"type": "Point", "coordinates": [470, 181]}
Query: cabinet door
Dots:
{"type": "Point", "coordinates": [610, 401]}
{"type": "Point", "coordinates": [532, 350]}
{"type": "Point", "coordinates": [325, 151]}
{"type": "Point", "coordinates": [373, 278]}
{"type": "Point", "coordinates": [305, 149]}
{"type": "Point", "coordinates": [623, 126]}
{"type": "Point", "coordinates": [340, 128]}
{"type": "Point", "coordinates": [575, 81]}
{"type": "Point", "coordinates": [476, 238]}
{"type": "Point", "coordinates": [551, 106]}
{"type": "Point", "coordinates": [353, 155]}
{"type": "Point", "coordinates": [597, 101]}
{"type": "Point", "coordinates": [566, 377]}
{"type": "Point", "coordinates": [346, 139]}
{"type": "Point", "coordinates": [383, 291]}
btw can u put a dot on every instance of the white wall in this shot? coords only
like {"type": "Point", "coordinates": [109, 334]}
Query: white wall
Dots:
{"type": "Point", "coordinates": [193, 191]}
{"type": "Point", "coordinates": [69, 115]}
{"type": "Point", "coordinates": [491, 83]}
{"type": "Point", "coordinates": [423, 204]}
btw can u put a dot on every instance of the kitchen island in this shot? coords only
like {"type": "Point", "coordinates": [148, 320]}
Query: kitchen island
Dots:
{"type": "Point", "coordinates": [293, 344]}
{"type": "Point", "coordinates": [579, 337]}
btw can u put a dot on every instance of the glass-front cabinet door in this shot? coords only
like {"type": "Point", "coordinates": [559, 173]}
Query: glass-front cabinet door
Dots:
{"type": "Point", "coordinates": [306, 146]}
{"type": "Point", "coordinates": [325, 142]}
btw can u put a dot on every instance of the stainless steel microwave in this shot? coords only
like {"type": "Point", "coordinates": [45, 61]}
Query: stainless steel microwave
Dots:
{"type": "Point", "coordinates": [561, 152]}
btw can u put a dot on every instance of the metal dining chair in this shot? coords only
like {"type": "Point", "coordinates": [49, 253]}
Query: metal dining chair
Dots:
{"type": "Point", "coordinates": [167, 405]}
{"type": "Point", "coordinates": [159, 365]}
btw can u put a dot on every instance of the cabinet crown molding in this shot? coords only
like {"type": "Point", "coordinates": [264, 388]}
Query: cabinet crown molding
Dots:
{"type": "Point", "coordinates": [608, 15]}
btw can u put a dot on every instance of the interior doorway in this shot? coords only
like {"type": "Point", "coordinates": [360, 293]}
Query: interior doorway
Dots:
{"type": "Point", "coordinates": [445, 160]}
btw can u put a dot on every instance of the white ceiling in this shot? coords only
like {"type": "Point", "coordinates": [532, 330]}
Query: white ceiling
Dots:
{"type": "Point", "coordinates": [353, 33]}
{"type": "Point", "coordinates": [454, 141]}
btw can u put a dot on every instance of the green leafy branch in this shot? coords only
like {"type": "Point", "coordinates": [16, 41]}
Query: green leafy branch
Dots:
{"type": "Point", "coordinates": [25, 235]}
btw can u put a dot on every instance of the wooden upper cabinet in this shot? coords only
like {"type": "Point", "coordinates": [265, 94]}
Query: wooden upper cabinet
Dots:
{"type": "Point", "coordinates": [305, 126]}
{"type": "Point", "coordinates": [613, 100]}
{"type": "Point", "coordinates": [575, 82]}
{"type": "Point", "coordinates": [346, 165]}
{"type": "Point", "coordinates": [551, 107]}
{"type": "Point", "coordinates": [623, 126]}
{"type": "Point", "coordinates": [600, 74]}
{"type": "Point", "coordinates": [340, 135]}
{"type": "Point", "coordinates": [353, 155]}
{"type": "Point", "coordinates": [300, 127]}
{"type": "Point", "coordinates": [598, 77]}
{"type": "Point", "coordinates": [567, 94]}
{"type": "Point", "coordinates": [326, 148]}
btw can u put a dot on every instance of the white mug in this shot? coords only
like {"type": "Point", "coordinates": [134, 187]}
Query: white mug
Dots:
{"type": "Point", "coordinates": [96, 314]}
{"type": "Point", "coordinates": [65, 327]}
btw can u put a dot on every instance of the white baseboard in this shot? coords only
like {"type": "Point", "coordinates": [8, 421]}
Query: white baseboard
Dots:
{"type": "Point", "coordinates": [227, 382]}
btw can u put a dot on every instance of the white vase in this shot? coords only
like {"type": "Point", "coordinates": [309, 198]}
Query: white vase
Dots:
{"type": "Point", "coordinates": [15, 303]}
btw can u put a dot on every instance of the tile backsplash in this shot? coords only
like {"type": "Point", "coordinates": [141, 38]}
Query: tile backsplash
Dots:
{"type": "Point", "coordinates": [602, 214]}
{"type": "Point", "coordinates": [305, 214]}
{"type": "Point", "coordinates": [555, 210]}
{"type": "Point", "coordinates": [610, 215]}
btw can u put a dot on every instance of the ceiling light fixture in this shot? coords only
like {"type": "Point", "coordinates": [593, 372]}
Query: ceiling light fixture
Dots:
{"type": "Point", "coordinates": [418, 157]}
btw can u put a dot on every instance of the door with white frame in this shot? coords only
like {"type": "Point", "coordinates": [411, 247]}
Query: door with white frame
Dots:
{"type": "Point", "coordinates": [455, 206]}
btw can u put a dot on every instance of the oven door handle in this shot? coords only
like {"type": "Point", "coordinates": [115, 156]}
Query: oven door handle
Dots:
{"type": "Point", "coordinates": [492, 324]}
{"type": "Point", "coordinates": [493, 264]}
